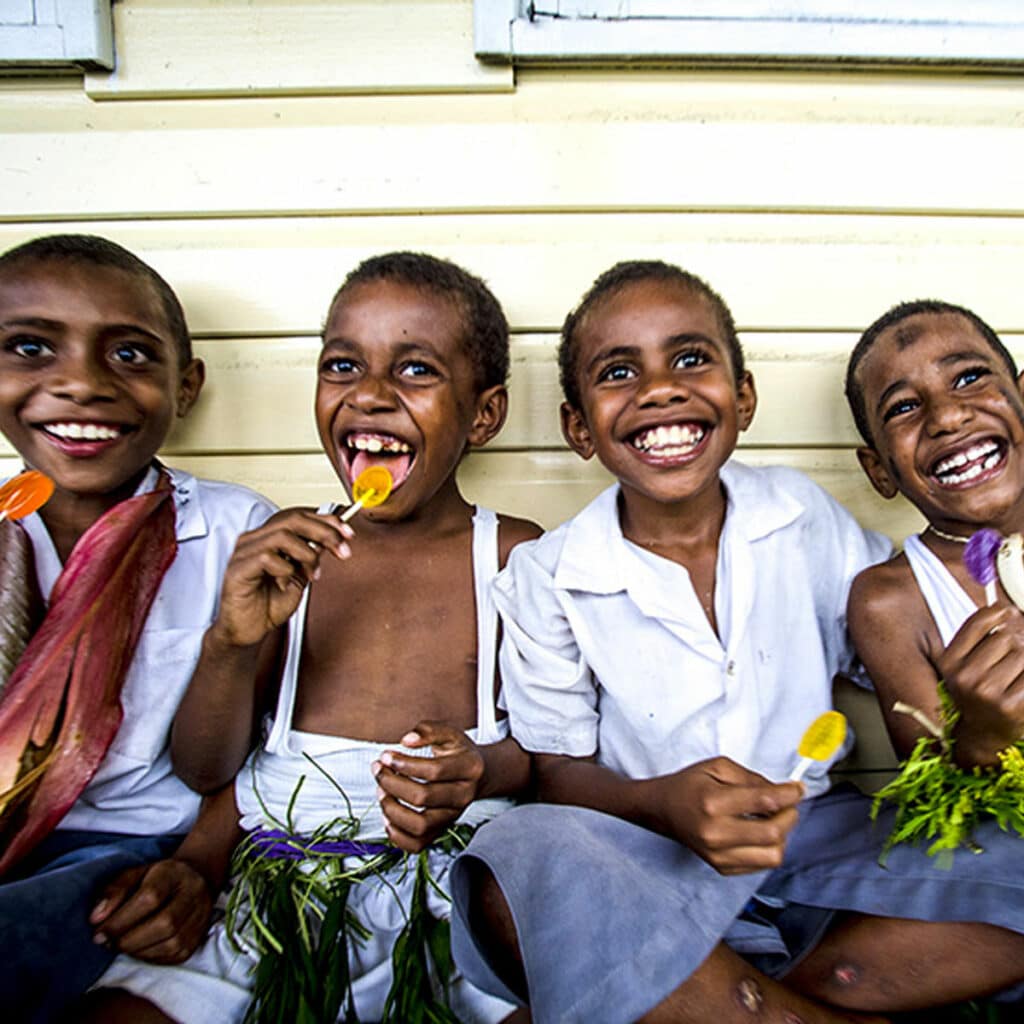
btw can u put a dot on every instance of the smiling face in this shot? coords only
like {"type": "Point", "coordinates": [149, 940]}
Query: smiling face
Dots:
{"type": "Point", "coordinates": [396, 388]}
{"type": "Point", "coordinates": [947, 421]}
{"type": "Point", "coordinates": [660, 404]}
{"type": "Point", "coordinates": [90, 377]}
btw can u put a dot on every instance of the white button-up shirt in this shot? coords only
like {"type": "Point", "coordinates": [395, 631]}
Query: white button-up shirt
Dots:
{"type": "Point", "coordinates": [607, 650]}
{"type": "Point", "coordinates": [134, 789]}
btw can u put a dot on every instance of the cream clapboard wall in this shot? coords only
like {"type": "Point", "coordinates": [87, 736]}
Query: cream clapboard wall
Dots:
{"type": "Point", "coordinates": [255, 150]}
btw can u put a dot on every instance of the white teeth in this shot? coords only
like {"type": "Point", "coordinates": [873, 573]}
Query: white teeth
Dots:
{"type": "Point", "coordinates": [977, 451]}
{"type": "Point", "coordinates": [82, 431]}
{"type": "Point", "coordinates": [373, 443]}
{"type": "Point", "coordinates": [669, 441]}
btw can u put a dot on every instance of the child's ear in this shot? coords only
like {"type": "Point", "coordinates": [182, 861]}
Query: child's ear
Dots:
{"type": "Point", "coordinates": [871, 462]}
{"type": "Point", "coordinates": [746, 400]}
{"type": "Point", "coordinates": [575, 431]}
{"type": "Point", "coordinates": [491, 410]}
{"type": "Point", "coordinates": [190, 383]}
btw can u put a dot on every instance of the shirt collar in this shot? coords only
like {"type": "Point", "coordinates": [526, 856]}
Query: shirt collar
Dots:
{"type": "Point", "coordinates": [595, 556]}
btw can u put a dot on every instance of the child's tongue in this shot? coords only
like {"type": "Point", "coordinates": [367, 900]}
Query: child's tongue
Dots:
{"type": "Point", "coordinates": [397, 465]}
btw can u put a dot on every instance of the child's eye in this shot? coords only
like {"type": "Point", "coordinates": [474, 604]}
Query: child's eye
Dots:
{"type": "Point", "coordinates": [690, 358]}
{"type": "Point", "coordinates": [338, 365]}
{"type": "Point", "coordinates": [616, 372]}
{"type": "Point", "coordinates": [970, 376]}
{"type": "Point", "coordinates": [27, 347]}
{"type": "Point", "coordinates": [898, 408]}
{"type": "Point", "coordinates": [415, 368]}
{"type": "Point", "coordinates": [132, 354]}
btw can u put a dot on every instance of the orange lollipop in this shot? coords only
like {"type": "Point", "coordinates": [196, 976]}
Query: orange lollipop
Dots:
{"type": "Point", "coordinates": [369, 489]}
{"type": "Point", "coordinates": [24, 494]}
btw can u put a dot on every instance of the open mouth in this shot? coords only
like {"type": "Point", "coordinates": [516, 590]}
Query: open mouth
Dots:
{"type": "Point", "coordinates": [362, 450]}
{"type": "Point", "coordinates": [970, 463]}
{"type": "Point", "coordinates": [674, 441]}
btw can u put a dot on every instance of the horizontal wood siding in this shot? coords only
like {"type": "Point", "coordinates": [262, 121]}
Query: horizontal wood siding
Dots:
{"type": "Point", "coordinates": [254, 152]}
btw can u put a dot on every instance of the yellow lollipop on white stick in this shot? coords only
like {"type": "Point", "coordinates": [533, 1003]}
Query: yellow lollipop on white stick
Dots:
{"type": "Point", "coordinates": [824, 736]}
{"type": "Point", "coordinates": [369, 489]}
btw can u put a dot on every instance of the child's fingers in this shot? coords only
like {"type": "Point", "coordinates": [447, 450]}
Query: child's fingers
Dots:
{"type": "Point", "coordinates": [983, 624]}
{"type": "Point", "coordinates": [316, 531]}
{"type": "Point", "coordinates": [451, 766]}
{"type": "Point", "coordinates": [164, 898]}
{"type": "Point", "coordinates": [455, 794]}
{"type": "Point", "coordinates": [414, 830]}
{"type": "Point", "coordinates": [168, 939]}
{"type": "Point", "coordinates": [444, 738]}
{"type": "Point", "coordinates": [115, 894]}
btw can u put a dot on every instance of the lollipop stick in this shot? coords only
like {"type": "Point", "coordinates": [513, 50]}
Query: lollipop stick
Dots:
{"type": "Point", "coordinates": [352, 510]}
{"type": "Point", "coordinates": [801, 769]}
{"type": "Point", "coordinates": [990, 593]}
{"type": "Point", "coordinates": [3, 515]}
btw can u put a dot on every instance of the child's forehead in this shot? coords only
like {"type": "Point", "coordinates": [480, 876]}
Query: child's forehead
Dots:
{"type": "Point", "coordinates": [650, 309]}
{"type": "Point", "coordinates": [66, 287]}
{"type": "Point", "coordinates": [386, 310]}
{"type": "Point", "coordinates": [924, 341]}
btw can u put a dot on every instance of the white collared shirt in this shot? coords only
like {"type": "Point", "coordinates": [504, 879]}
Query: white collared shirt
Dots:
{"type": "Point", "coordinates": [134, 790]}
{"type": "Point", "coordinates": [607, 650]}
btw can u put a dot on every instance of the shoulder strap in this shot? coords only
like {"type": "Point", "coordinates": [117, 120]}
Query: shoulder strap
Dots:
{"type": "Point", "coordinates": [485, 568]}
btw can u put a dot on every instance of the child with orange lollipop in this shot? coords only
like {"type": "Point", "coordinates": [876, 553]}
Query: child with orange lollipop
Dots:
{"type": "Point", "coordinates": [381, 730]}
{"type": "Point", "coordinates": [110, 585]}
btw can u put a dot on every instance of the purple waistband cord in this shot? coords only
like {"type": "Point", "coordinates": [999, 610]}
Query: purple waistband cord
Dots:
{"type": "Point", "coordinates": [276, 843]}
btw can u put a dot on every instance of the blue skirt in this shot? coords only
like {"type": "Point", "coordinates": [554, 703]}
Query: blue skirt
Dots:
{"type": "Point", "coordinates": [611, 918]}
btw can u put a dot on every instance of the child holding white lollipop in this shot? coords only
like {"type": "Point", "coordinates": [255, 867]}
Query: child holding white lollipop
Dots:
{"type": "Point", "coordinates": [381, 730]}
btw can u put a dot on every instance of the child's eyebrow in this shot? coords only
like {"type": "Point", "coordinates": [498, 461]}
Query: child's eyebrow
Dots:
{"type": "Point", "coordinates": [45, 324]}
{"type": "Point", "coordinates": [617, 352]}
{"type": "Point", "coordinates": [135, 329]}
{"type": "Point", "coordinates": [31, 321]}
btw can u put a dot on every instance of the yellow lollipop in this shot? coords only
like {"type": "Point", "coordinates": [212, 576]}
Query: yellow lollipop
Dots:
{"type": "Point", "coordinates": [824, 736]}
{"type": "Point", "coordinates": [369, 489]}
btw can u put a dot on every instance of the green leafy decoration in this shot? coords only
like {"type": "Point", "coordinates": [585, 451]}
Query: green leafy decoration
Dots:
{"type": "Point", "coordinates": [940, 803]}
{"type": "Point", "coordinates": [294, 913]}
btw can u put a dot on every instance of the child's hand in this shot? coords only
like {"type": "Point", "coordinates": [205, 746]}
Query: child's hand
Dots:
{"type": "Point", "coordinates": [442, 785]}
{"type": "Point", "coordinates": [157, 912]}
{"type": "Point", "coordinates": [269, 570]}
{"type": "Point", "coordinates": [983, 671]}
{"type": "Point", "coordinates": [733, 818]}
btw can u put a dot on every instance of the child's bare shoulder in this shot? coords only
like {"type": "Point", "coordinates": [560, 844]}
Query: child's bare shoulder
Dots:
{"type": "Point", "coordinates": [886, 593]}
{"type": "Point", "coordinates": [513, 531]}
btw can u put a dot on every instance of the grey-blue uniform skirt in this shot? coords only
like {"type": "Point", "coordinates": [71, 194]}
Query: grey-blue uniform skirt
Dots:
{"type": "Point", "coordinates": [611, 918]}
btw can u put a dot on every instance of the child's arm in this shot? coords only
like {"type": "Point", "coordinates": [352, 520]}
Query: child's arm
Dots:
{"type": "Point", "coordinates": [219, 714]}
{"type": "Point", "coordinates": [443, 785]}
{"type": "Point", "coordinates": [982, 669]}
{"type": "Point", "coordinates": [731, 817]}
{"type": "Point", "coordinates": [160, 912]}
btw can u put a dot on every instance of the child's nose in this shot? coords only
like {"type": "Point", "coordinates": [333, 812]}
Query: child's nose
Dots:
{"type": "Point", "coordinates": [371, 393]}
{"type": "Point", "coordinates": [82, 379]}
{"type": "Point", "coordinates": [661, 387]}
{"type": "Point", "coordinates": [946, 414]}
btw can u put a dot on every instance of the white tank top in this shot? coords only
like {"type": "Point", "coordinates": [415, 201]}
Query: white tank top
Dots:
{"type": "Point", "coordinates": [948, 602]}
{"type": "Point", "coordinates": [330, 765]}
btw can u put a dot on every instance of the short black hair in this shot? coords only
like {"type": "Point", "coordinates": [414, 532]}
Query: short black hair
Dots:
{"type": "Point", "coordinates": [485, 329]}
{"type": "Point", "coordinates": [898, 313]}
{"type": "Point", "coordinates": [614, 280]}
{"type": "Point", "coordinates": [92, 250]}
